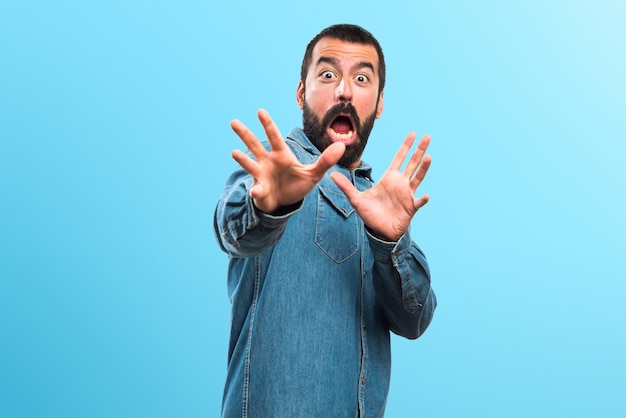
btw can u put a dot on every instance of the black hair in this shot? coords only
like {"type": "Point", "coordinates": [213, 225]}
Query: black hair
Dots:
{"type": "Point", "coordinates": [348, 33]}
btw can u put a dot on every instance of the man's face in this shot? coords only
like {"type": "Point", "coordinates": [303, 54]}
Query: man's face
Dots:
{"type": "Point", "coordinates": [340, 99]}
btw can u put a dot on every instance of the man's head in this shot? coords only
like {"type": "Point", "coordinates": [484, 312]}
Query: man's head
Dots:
{"type": "Point", "coordinates": [341, 89]}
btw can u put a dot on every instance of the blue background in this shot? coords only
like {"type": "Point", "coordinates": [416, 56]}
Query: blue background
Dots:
{"type": "Point", "coordinates": [115, 144]}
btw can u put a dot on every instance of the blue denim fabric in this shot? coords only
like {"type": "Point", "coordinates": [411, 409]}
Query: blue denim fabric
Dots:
{"type": "Point", "coordinates": [314, 296]}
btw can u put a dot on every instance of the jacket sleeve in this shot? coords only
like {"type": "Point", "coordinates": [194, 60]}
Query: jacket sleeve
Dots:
{"type": "Point", "coordinates": [241, 229]}
{"type": "Point", "coordinates": [402, 282]}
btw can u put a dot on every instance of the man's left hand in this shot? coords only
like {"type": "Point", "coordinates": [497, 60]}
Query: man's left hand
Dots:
{"type": "Point", "coordinates": [388, 207]}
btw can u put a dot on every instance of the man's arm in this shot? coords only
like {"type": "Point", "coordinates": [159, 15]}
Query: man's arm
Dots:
{"type": "Point", "coordinates": [401, 274]}
{"type": "Point", "coordinates": [258, 200]}
{"type": "Point", "coordinates": [242, 230]}
{"type": "Point", "coordinates": [402, 282]}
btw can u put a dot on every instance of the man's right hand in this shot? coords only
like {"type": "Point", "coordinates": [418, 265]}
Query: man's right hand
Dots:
{"type": "Point", "coordinates": [280, 179]}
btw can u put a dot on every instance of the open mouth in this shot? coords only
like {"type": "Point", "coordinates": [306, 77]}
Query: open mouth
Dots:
{"type": "Point", "coordinates": [342, 129]}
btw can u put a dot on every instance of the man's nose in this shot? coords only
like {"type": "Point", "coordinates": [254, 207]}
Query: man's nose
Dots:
{"type": "Point", "coordinates": [343, 92]}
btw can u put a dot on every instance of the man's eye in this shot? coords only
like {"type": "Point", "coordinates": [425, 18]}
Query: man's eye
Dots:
{"type": "Point", "coordinates": [328, 75]}
{"type": "Point", "coordinates": [361, 78]}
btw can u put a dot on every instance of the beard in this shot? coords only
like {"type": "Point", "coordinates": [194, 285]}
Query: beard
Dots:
{"type": "Point", "coordinates": [316, 130]}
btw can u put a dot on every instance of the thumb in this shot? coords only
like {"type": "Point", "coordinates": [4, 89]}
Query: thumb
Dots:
{"type": "Point", "coordinates": [345, 185]}
{"type": "Point", "coordinates": [330, 156]}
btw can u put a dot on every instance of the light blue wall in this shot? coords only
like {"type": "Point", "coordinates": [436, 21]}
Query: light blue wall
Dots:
{"type": "Point", "coordinates": [115, 143]}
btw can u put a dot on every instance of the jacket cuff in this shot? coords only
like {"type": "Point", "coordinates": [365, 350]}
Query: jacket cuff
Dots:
{"type": "Point", "coordinates": [279, 216]}
{"type": "Point", "coordinates": [389, 251]}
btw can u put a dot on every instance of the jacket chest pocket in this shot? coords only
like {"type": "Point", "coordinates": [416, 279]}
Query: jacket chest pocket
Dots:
{"type": "Point", "coordinates": [336, 225]}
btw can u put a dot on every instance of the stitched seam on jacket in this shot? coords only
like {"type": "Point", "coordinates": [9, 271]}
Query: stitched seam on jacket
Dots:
{"type": "Point", "coordinates": [246, 378]}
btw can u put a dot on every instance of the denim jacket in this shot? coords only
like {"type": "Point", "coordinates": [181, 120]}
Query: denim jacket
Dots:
{"type": "Point", "coordinates": [314, 296]}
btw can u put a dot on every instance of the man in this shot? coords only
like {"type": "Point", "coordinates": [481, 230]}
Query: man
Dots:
{"type": "Point", "coordinates": [322, 265]}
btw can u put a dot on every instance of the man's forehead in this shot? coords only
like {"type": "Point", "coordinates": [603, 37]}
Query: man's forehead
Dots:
{"type": "Point", "coordinates": [338, 49]}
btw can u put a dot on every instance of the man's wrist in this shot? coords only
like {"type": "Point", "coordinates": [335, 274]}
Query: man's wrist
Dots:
{"type": "Point", "coordinates": [281, 210]}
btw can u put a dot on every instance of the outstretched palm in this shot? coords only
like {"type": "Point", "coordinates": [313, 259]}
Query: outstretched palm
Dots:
{"type": "Point", "coordinates": [388, 207]}
{"type": "Point", "coordinates": [280, 179]}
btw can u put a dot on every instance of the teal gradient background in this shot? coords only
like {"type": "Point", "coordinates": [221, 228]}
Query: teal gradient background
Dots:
{"type": "Point", "coordinates": [115, 144]}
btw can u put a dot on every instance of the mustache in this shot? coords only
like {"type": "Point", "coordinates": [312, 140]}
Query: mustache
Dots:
{"type": "Point", "coordinates": [342, 109]}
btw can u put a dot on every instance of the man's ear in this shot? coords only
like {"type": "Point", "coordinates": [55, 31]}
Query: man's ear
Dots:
{"type": "Point", "coordinates": [300, 94]}
{"type": "Point", "coordinates": [379, 107]}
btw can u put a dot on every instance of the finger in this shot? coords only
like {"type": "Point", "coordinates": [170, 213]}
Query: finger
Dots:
{"type": "Point", "coordinates": [421, 171]}
{"type": "Point", "coordinates": [420, 202]}
{"type": "Point", "coordinates": [271, 130]}
{"type": "Point", "coordinates": [417, 156]}
{"type": "Point", "coordinates": [329, 157]}
{"type": "Point", "coordinates": [345, 185]}
{"type": "Point", "coordinates": [247, 163]}
{"type": "Point", "coordinates": [257, 192]}
{"type": "Point", "coordinates": [248, 138]}
{"type": "Point", "coordinates": [402, 152]}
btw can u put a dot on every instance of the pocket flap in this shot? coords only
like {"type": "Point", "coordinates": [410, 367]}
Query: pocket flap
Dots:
{"type": "Point", "coordinates": [338, 200]}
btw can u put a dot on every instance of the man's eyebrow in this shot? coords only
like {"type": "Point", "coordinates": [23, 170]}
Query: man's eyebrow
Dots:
{"type": "Point", "coordinates": [365, 64]}
{"type": "Point", "coordinates": [327, 60]}
{"type": "Point", "coordinates": [333, 61]}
